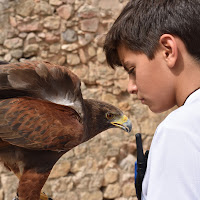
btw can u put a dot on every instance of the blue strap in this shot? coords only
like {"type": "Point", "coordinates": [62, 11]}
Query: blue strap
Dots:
{"type": "Point", "coordinates": [135, 170]}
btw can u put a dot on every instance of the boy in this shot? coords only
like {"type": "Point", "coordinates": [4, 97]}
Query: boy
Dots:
{"type": "Point", "coordinates": [158, 44]}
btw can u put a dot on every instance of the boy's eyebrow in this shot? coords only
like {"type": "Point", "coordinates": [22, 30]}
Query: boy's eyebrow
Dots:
{"type": "Point", "coordinates": [124, 65]}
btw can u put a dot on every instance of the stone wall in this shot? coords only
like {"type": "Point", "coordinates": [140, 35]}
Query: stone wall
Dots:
{"type": "Point", "coordinates": [70, 33]}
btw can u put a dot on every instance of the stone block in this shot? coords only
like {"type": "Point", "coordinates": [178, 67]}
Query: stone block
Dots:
{"type": "Point", "coordinates": [128, 190]}
{"type": "Point", "coordinates": [89, 25]}
{"type": "Point", "coordinates": [55, 2]}
{"type": "Point", "coordinates": [110, 176]}
{"type": "Point", "coordinates": [25, 7]}
{"type": "Point", "coordinates": [88, 11]}
{"type": "Point", "coordinates": [43, 8]}
{"type": "Point", "coordinates": [13, 43]}
{"type": "Point", "coordinates": [65, 11]}
{"type": "Point", "coordinates": [16, 53]}
{"type": "Point", "coordinates": [60, 170]}
{"type": "Point", "coordinates": [51, 38]}
{"type": "Point", "coordinates": [73, 59]}
{"type": "Point", "coordinates": [70, 36]}
{"type": "Point", "coordinates": [52, 22]}
{"type": "Point", "coordinates": [30, 26]}
{"type": "Point", "coordinates": [31, 50]}
{"type": "Point", "coordinates": [95, 195]}
{"type": "Point", "coordinates": [112, 191]}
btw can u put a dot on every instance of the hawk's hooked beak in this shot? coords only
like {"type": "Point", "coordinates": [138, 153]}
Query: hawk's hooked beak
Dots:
{"type": "Point", "coordinates": [123, 123]}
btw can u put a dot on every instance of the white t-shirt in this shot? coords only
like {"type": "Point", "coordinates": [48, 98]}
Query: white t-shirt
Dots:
{"type": "Point", "coordinates": [173, 168]}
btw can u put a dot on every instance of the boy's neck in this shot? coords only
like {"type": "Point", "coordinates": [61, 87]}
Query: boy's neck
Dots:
{"type": "Point", "coordinates": [188, 81]}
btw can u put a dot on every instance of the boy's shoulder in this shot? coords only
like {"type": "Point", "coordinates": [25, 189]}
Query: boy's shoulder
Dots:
{"type": "Point", "coordinates": [180, 129]}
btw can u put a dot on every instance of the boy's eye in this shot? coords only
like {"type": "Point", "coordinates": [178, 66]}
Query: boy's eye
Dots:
{"type": "Point", "coordinates": [132, 71]}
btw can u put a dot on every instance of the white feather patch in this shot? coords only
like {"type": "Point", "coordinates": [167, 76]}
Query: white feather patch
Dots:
{"type": "Point", "coordinates": [61, 101]}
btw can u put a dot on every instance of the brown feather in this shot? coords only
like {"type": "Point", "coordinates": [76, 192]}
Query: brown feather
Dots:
{"type": "Point", "coordinates": [41, 125]}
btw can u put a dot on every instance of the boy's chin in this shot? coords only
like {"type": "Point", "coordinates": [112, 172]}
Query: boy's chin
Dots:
{"type": "Point", "coordinates": [157, 109]}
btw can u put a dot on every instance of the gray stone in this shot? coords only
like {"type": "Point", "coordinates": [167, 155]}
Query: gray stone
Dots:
{"type": "Point", "coordinates": [83, 184]}
{"type": "Point", "coordinates": [89, 25]}
{"type": "Point", "coordinates": [78, 165]}
{"type": "Point", "coordinates": [43, 8]}
{"type": "Point", "coordinates": [70, 36]}
{"type": "Point", "coordinates": [100, 39]}
{"type": "Point", "coordinates": [65, 11]}
{"type": "Point", "coordinates": [91, 166]}
{"type": "Point", "coordinates": [51, 38]}
{"type": "Point", "coordinates": [16, 53]}
{"type": "Point", "coordinates": [110, 176]}
{"type": "Point", "coordinates": [129, 190]}
{"type": "Point", "coordinates": [113, 152]}
{"type": "Point", "coordinates": [80, 150]}
{"type": "Point", "coordinates": [1, 194]}
{"type": "Point", "coordinates": [55, 2]}
{"type": "Point", "coordinates": [13, 43]}
{"type": "Point", "coordinates": [83, 56]}
{"type": "Point", "coordinates": [22, 35]}
{"type": "Point", "coordinates": [1, 51]}
{"type": "Point", "coordinates": [31, 50]}
{"type": "Point", "coordinates": [101, 55]}
{"type": "Point", "coordinates": [13, 21]}
{"type": "Point", "coordinates": [8, 57]}
{"type": "Point", "coordinates": [112, 191]}
{"type": "Point", "coordinates": [54, 48]}
{"type": "Point", "coordinates": [25, 7]}
{"type": "Point", "coordinates": [110, 5]}
{"type": "Point", "coordinates": [60, 170]}
{"type": "Point", "coordinates": [85, 39]}
{"type": "Point", "coordinates": [88, 11]}
{"type": "Point", "coordinates": [73, 59]}
{"type": "Point", "coordinates": [9, 185]}
{"type": "Point", "coordinates": [52, 22]}
{"type": "Point", "coordinates": [128, 163]}
{"type": "Point", "coordinates": [31, 39]}
{"type": "Point", "coordinates": [66, 196]}
{"type": "Point", "coordinates": [82, 72]}
{"type": "Point", "coordinates": [2, 36]}
{"type": "Point", "coordinates": [91, 51]}
{"type": "Point", "coordinates": [95, 195]}
{"type": "Point", "coordinates": [70, 47]}
{"type": "Point", "coordinates": [68, 1]}
{"type": "Point", "coordinates": [62, 184]}
{"type": "Point", "coordinates": [30, 26]}
{"type": "Point", "coordinates": [96, 182]}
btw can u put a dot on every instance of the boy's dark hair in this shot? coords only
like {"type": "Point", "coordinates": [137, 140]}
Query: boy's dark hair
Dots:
{"type": "Point", "coordinates": [142, 22]}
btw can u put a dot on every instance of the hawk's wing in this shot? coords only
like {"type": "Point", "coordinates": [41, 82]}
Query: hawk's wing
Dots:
{"type": "Point", "coordinates": [39, 125]}
{"type": "Point", "coordinates": [42, 80]}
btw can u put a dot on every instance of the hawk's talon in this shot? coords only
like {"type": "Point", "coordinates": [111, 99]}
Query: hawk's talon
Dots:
{"type": "Point", "coordinates": [43, 196]}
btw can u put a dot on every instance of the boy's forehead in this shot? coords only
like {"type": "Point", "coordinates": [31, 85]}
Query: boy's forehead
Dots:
{"type": "Point", "coordinates": [122, 51]}
{"type": "Point", "coordinates": [125, 54]}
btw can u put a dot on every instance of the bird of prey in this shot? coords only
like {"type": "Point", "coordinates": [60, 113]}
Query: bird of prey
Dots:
{"type": "Point", "coordinates": [42, 116]}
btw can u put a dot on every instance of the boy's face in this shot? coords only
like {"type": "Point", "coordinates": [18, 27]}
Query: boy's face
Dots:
{"type": "Point", "coordinates": [151, 80]}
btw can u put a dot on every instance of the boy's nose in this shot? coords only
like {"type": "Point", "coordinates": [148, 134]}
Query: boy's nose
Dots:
{"type": "Point", "coordinates": [132, 87]}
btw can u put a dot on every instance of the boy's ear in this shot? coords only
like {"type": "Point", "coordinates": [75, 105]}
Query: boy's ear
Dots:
{"type": "Point", "coordinates": [169, 48]}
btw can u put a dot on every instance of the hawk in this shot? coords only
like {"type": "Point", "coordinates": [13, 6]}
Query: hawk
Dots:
{"type": "Point", "coordinates": [42, 116]}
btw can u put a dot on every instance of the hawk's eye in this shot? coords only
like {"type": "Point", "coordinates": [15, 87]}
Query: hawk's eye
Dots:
{"type": "Point", "coordinates": [109, 116]}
